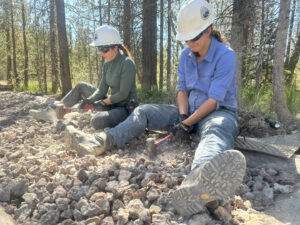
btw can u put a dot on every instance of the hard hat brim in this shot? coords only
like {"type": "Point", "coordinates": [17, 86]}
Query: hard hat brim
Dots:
{"type": "Point", "coordinates": [191, 35]}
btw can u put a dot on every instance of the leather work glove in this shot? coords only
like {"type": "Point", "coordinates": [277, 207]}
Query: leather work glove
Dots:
{"type": "Point", "coordinates": [181, 131]}
{"type": "Point", "coordinates": [85, 102]}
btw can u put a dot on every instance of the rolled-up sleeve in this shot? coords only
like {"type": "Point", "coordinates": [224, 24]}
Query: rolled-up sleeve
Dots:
{"type": "Point", "coordinates": [181, 74]}
{"type": "Point", "coordinates": [224, 75]}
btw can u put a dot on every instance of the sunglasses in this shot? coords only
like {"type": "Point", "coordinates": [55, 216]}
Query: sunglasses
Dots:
{"type": "Point", "coordinates": [197, 37]}
{"type": "Point", "coordinates": [104, 49]}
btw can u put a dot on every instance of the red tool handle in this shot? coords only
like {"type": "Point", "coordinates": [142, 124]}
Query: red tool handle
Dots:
{"type": "Point", "coordinates": [159, 142]}
{"type": "Point", "coordinates": [88, 107]}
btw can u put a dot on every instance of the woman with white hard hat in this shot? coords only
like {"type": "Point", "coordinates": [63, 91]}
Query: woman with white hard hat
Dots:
{"type": "Point", "coordinates": [118, 76]}
{"type": "Point", "coordinates": [207, 105]}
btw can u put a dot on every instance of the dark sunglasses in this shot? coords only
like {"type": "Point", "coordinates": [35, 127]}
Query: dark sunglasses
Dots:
{"type": "Point", "coordinates": [197, 37]}
{"type": "Point", "coordinates": [104, 49]}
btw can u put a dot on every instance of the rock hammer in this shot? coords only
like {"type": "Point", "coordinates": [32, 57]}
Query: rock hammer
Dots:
{"type": "Point", "coordinates": [153, 145]}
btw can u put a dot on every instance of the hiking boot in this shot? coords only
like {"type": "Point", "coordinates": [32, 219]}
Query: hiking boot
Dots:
{"type": "Point", "coordinates": [47, 114]}
{"type": "Point", "coordinates": [217, 179]}
{"type": "Point", "coordinates": [83, 143]}
{"type": "Point", "coordinates": [105, 139]}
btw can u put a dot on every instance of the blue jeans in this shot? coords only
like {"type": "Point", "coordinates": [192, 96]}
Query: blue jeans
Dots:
{"type": "Point", "coordinates": [109, 116]}
{"type": "Point", "coordinates": [217, 130]}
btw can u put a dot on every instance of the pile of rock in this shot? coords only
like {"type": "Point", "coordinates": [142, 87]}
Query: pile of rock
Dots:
{"type": "Point", "coordinates": [43, 182]}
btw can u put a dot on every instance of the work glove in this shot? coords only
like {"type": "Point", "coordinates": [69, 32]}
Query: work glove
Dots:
{"type": "Point", "coordinates": [100, 103]}
{"type": "Point", "coordinates": [182, 117]}
{"type": "Point", "coordinates": [85, 102]}
{"type": "Point", "coordinates": [181, 131]}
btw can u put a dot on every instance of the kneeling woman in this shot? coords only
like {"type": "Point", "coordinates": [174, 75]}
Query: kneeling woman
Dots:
{"type": "Point", "coordinates": [118, 75]}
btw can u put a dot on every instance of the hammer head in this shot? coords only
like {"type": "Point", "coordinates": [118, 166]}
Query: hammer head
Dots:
{"type": "Point", "coordinates": [60, 111]}
{"type": "Point", "coordinates": [151, 147]}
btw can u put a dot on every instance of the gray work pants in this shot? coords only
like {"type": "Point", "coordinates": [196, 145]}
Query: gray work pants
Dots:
{"type": "Point", "coordinates": [217, 130]}
{"type": "Point", "coordinates": [109, 116]}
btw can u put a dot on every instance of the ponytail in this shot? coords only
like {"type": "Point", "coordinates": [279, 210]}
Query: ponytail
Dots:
{"type": "Point", "coordinates": [125, 50]}
{"type": "Point", "coordinates": [217, 34]}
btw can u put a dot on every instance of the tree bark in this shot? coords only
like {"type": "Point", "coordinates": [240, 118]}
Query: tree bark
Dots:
{"type": "Point", "coordinates": [44, 60]}
{"type": "Point", "coordinates": [53, 51]}
{"type": "Point", "coordinates": [280, 104]}
{"type": "Point", "coordinates": [241, 28]}
{"type": "Point", "coordinates": [25, 46]}
{"type": "Point", "coordinates": [149, 51]}
{"type": "Point", "coordinates": [63, 47]}
{"type": "Point", "coordinates": [169, 47]}
{"type": "Point", "coordinates": [127, 23]}
{"type": "Point", "coordinates": [295, 56]}
{"type": "Point", "coordinates": [16, 76]}
{"type": "Point", "coordinates": [8, 47]}
{"type": "Point", "coordinates": [161, 46]}
{"type": "Point", "coordinates": [288, 50]}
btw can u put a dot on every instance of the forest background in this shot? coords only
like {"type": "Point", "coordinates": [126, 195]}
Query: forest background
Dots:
{"type": "Point", "coordinates": [44, 47]}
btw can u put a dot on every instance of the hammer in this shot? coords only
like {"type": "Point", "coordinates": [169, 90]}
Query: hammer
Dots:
{"type": "Point", "coordinates": [152, 145]}
{"type": "Point", "coordinates": [61, 110]}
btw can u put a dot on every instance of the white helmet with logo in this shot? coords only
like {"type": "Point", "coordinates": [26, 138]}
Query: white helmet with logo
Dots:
{"type": "Point", "coordinates": [106, 35]}
{"type": "Point", "coordinates": [193, 18]}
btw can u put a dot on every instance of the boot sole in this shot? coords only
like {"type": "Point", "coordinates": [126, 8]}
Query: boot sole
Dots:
{"type": "Point", "coordinates": [218, 179]}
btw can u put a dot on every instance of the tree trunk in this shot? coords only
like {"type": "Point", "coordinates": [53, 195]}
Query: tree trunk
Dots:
{"type": "Point", "coordinates": [261, 46]}
{"type": "Point", "coordinates": [149, 51]}
{"type": "Point", "coordinates": [108, 12]}
{"type": "Point", "coordinates": [127, 23]}
{"type": "Point", "coordinates": [161, 46]}
{"type": "Point", "coordinates": [44, 60]}
{"type": "Point", "coordinates": [295, 56]}
{"type": "Point", "coordinates": [169, 47]}
{"type": "Point", "coordinates": [8, 50]}
{"type": "Point", "coordinates": [290, 32]}
{"type": "Point", "coordinates": [25, 46]}
{"type": "Point", "coordinates": [280, 104]}
{"type": "Point", "coordinates": [53, 51]}
{"type": "Point", "coordinates": [100, 13]}
{"type": "Point", "coordinates": [63, 47]}
{"type": "Point", "coordinates": [241, 28]}
{"type": "Point", "coordinates": [16, 76]}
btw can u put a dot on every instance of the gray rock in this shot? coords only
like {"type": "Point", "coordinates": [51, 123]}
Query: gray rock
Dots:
{"type": "Point", "coordinates": [90, 210]}
{"type": "Point", "coordinates": [77, 215]}
{"type": "Point", "coordinates": [30, 198]}
{"type": "Point", "coordinates": [62, 203]}
{"type": "Point", "coordinates": [103, 205]}
{"type": "Point", "coordinates": [153, 194]}
{"type": "Point", "coordinates": [66, 214]}
{"type": "Point", "coordinates": [59, 192]}
{"type": "Point", "coordinates": [283, 189]}
{"type": "Point", "coordinates": [82, 176]}
{"type": "Point", "coordinates": [76, 193]}
{"type": "Point", "coordinates": [50, 218]}
{"type": "Point", "coordinates": [107, 221]}
{"type": "Point", "coordinates": [23, 213]}
{"type": "Point", "coordinates": [135, 207]}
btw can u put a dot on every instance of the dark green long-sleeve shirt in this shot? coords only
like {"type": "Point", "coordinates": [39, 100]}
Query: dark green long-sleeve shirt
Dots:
{"type": "Point", "coordinates": [119, 75]}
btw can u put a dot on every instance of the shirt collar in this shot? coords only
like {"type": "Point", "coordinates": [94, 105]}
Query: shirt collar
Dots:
{"type": "Point", "coordinates": [209, 55]}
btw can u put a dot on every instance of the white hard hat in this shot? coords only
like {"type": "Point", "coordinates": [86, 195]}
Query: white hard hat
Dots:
{"type": "Point", "coordinates": [106, 35]}
{"type": "Point", "coordinates": [193, 18]}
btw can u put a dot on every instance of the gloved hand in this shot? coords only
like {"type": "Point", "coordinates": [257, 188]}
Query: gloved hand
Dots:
{"type": "Point", "coordinates": [85, 102]}
{"type": "Point", "coordinates": [100, 102]}
{"type": "Point", "coordinates": [181, 131]}
{"type": "Point", "coordinates": [182, 117]}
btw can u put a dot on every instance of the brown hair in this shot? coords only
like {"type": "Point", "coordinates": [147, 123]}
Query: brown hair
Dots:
{"type": "Point", "coordinates": [218, 35]}
{"type": "Point", "coordinates": [125, 50]}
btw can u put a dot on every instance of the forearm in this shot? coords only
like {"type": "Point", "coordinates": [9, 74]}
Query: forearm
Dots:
{"type": "Point", "coordinates": [207, 107]}
{"type": "Point", "coordinates": [183, 102]}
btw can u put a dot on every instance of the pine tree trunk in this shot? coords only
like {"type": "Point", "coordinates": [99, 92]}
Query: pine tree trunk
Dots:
{"type": "Point", "coordinates": [63, 47]}
{"type": "Point", "coordinates": [169, 47]}
{"type": "Point", "coordinates": [161, 46]}
{"type": "Point", "coordinates": [8, 53]}
{"type": "Point", "coordinates": [288, 50]}
{"type": "Point", "coordinates": [16, 76]}
{"type": "Point", "coordinates": [53, 51]}
{"type": "Point", "coordinates": [295, 56]}
{"type": "Point", "coordinates": [44, 60]}
{"type": "Point", "coordinates": [149, 51]}
{"type": "Point", "coordinates": [280, 104]}
{"type": "Point", "coordinates": [25, 46]}
{"type": "Point", "coordinates": [127, 23]}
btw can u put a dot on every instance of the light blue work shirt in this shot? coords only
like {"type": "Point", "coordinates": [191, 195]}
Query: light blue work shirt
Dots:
{"type": "Point", "coordinates": [212, 77]}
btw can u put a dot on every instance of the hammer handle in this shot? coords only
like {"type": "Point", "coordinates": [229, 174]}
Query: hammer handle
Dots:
{"type": "Point", "coordinates": [161, 141]}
